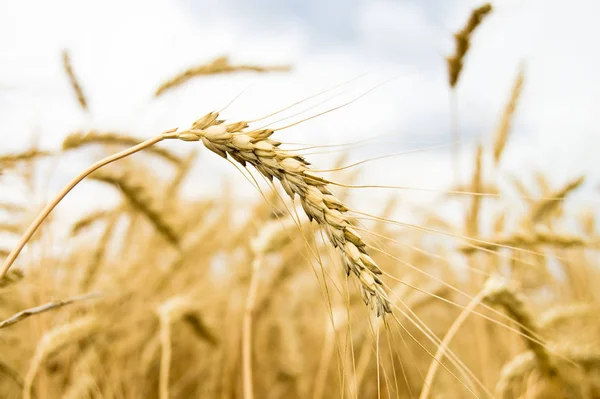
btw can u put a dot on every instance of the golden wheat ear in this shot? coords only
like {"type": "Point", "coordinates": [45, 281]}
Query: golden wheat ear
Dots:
{"type": "Point", "coordinates": [257, 148]}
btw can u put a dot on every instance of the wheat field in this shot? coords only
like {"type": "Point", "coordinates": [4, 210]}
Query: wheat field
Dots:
{"type": "Point", "coordinates": [296, 290]}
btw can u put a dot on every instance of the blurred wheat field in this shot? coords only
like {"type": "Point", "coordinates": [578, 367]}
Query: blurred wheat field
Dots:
{"type": "Point", "coordinates": [297, 293]}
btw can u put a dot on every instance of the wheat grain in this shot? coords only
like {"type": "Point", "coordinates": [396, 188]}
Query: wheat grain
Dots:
{"type": "Point", "coordinates": [503, 130]}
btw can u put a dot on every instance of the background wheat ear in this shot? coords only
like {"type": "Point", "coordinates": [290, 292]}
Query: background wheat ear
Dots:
{"type": "Point", "coordinates": [462, 41]}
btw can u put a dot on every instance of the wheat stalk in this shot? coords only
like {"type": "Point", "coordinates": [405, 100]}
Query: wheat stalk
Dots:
{"type": "Point", "coordinates": [472, 222]}
{"type": "Point", "coordinates": [169, 312]}
{"type": "Point", "coordinates": [255, 147]}
{"type": "Point", "coordinates": [44, 308]}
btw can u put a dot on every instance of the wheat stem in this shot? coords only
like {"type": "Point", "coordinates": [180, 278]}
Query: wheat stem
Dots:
{"type": "Point", "coordinates": [247, 328]}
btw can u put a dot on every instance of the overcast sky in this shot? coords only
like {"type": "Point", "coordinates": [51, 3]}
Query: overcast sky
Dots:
{"type": "Point", "coordinates": [122, 50]}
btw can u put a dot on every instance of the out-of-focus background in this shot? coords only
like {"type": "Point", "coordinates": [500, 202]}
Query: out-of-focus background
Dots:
{"type": "Point", "coordinates": [122, 51]}
{"type": "Point", "coordinates": [181, 282]}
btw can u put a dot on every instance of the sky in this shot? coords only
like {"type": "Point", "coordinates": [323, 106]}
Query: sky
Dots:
{"type": "Point", "coordinates": [122, 50]}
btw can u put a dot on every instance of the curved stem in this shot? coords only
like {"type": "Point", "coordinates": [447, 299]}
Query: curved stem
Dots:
{"type": "Point", "coordinates": [59, 197]}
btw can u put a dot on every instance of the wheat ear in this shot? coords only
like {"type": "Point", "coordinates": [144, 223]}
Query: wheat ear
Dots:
{"type": "Point", "coordinates": [546, 206]}
{"type": "Point", "coordinates": [73, 80]}
{"type": "Point", "coordinates": [501, 295]}
{"type": "Point", "coordinates": [169, 312]}
{"type": "Point", "coordinates": [138, 196]}
{"type": "Point", "coordinates": [219, 65]}
{"type": "Point", "coordinates": [462, 41]}
{"type": "Point", "coordinates": [255, 147]}
{"type": "Point", "coordinates": [501, 136]}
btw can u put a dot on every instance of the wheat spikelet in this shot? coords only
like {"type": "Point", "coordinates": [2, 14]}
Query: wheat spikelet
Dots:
{"type": "Point", "coordinates": [255, 147]}
{"type": "Point", "coordinates": [80, 139]}
{"type": "Point", "coordinates": [217, 66]}
{"type": "Point", "coordinates": [544, 207]}
{"type": "Point", "coordinates": [73, 80]}
{"type": "Point", "coordinates": [141, 200]}
{"type": "Point", "coordinates": [462, 40]}
{"type": "Point", "coordinates": [52, 341]}
{"type": "Point", "coordinates": [503, 130]}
